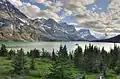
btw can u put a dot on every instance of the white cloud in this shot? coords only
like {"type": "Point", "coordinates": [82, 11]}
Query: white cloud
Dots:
{"type": "Point", "coordinates": [16, 2]}
{"type": "Point", "coordinates": [40, 1]}
{"type": "Point", "coordinates": [33, 12]}
{"type": "Point", "coordinates": [103, 22]}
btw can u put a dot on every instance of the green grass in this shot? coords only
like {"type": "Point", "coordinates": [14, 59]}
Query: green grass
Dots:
{"type": "Point", "coordinates": [42, 67]}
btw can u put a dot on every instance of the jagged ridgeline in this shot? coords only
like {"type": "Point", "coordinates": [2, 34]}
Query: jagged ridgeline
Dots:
{"type": "Point", "coordinates": [16, 26]}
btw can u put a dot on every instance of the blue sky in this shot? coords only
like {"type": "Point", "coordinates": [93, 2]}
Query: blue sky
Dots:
{"type": "Point", "coordinates": [98, 6]}
{"type": "Point", "coordinates": [103, 21]}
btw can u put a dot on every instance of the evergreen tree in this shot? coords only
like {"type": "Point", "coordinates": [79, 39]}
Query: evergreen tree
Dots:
{"type": "Point", "coordinates": [114, 53]}
{"type": "Point", "coordinates": [3, 51]}
{"type": "Point", "coordinates": [117, 67]}
{"type": "Point", "coordinates": [28, 54]}
{"type": "Point", "coordinates": [105, 57]}
{"type": "Point", "coordinates": [32, 63]}
{"type": "Point", "coordinates": [45, 54]}
{"type": "Point", "coordinates": [34, 53]}
{"type": "Point", "coordinates": [104, 61]}
{"type": "Point", "coordinates": [37, 53]}
{"type": "Point", "coordinates": [78, 57]}
{"type": "Point", "coordinates": [71, 56]}
{"type": "Point", "coordinates": [60, 69]}
{"type": "Point", "coordinates": [62, 53]}
{"type": "Point", "coordinates": [92, 59]}
{"type": "Point", "coordinates": [19, 63]}
{"type": "Point", "coordinates": [65, 53]}
{"type": "Point", "coordinates": [11, 54]}
{"type": "Point", "coordinates": [53, 55]}
{"type": "Point", "coordinates": [88, 58]}
{"type": "Point", "coordinates": [97, 66]}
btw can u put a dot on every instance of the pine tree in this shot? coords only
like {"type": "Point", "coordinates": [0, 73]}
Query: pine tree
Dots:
{"type": "Point", "coordinates": [60, 68]}
{"type": "Point", "coordinates": [92, 59]}
{"type": "Point", "coordinates": [32, 63]}
{"type": "Point", "coordinates": [117, 67]}
{"type": "Point", "coordinates": [37, 53]}
{"type": "Point", "coordinates": [28, 54]}
{"type": "Point", "coordinates": [19, 63]}
{"type": "Point", "coordinates": [97, 66]}
{"type": "Point", "coordinates": [114, 56]}
{"type": "Point", "coordinates": [71, 56]}
{"type": "Point", "coordinates": [11, 54]}
{"type": "Point", "coordinates": [104, 57]}
{"type": "Point", "coordinates": [3, 51]}
{"type": "Point", "coordinates": [43, 53]}
{"type": "Point", "coordinates": [65, 53]}
{"type": "Point", "coordinates": [53, 55]}
{"type": "Point", "coordinates": [104, 61]}
{"type": "Point", "coordinates": [34, 53]}
{"type": "Point", "coordinates": [78, 57]}
{"type": "Point", "coordinates": [88, 58]}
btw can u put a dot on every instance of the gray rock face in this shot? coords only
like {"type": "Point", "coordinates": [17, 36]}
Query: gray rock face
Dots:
{"type": "Point", "coordinates": [15, 26]}
{"type": "Point", "coordinates": [85, 34]}
{"type": "Point", "coordinates": [59, 31]}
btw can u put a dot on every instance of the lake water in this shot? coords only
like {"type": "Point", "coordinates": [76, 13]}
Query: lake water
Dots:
{"type": "Point", "coordinates": [49, 46]}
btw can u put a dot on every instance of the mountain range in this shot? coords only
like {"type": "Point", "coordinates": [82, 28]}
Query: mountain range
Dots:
{"type": "Point", "coordinates": [115, 39]}
{"type": "Point", "coordinates": [16, 26]}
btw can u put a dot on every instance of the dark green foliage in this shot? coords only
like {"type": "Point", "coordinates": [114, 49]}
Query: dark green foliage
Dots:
{"type": "Point", "coordinates": [19, 63]}
{"type": "Point", "coordinates": [59, 71]}
{"type": "Point", "coordinates": [45, 54]}
{"type": "Point", "coordinates": [62, 53]}
{"type": "Point", "coordinates": [105, 57]}
{"type": "Point", "coordinates": [3, 50]}
{"type": "Point", "coordinates": [104, 61]}
{"type": "Point", "coordinates": [65, 53]}
{"type": "Point", "coordinates": [11, 54]}
{"type": "Point", "coordinates": [32, 63]}
{"type": "Point", "coordinates": [78, 57]}
{"type": "Point", "coordinates": [71, 57]}
{"type": "Point", "coordinates": [88, 58]}
{"type": "Point", "coordinates": [28, 54]}
{"type": "Point", "coordinates": [34, 53]}
{"type": "Point", "coordinates": [53, 56]}
{"type": "Point", "coordinates": [92, 59]}
{"type": "Point", "coordinates": [114, 53]}
{"type": "Point", "coordinates": [60, 68]}
{"type": "Point", "coordinates": [117, 67]}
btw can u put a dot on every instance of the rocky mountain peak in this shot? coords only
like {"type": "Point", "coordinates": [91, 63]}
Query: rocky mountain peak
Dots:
{"type": "Point", "coordinates": [15, 26]}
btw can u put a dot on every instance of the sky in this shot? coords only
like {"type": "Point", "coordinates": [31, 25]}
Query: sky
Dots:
{"type": "Point", "coordinates": [98, 15]}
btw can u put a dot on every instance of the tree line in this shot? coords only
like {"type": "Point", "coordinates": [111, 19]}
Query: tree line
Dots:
{"type": "Point", "coordinates": [90, 60]}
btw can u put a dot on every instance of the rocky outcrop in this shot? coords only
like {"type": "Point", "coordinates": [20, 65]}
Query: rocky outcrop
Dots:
{"type": "Point", "coordinates": [85, 34]}
{"type": "Point", "coordinates": [15, 26]}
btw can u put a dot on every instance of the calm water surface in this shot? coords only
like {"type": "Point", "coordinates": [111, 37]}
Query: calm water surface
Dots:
{"type": "Point", "coordinates": [49, 46]}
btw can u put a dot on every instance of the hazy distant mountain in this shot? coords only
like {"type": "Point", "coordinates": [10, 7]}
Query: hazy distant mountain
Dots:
{"type": "Point", "coordinates": [64, 31]}
{"type": "Point", "coordinates": [115, 39]}
{"type": "Point", "coordinates": [85, 34]}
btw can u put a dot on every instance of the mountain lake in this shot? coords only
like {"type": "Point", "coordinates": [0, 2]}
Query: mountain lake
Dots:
{"type": "Point", "coordinates": [49, 46]}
